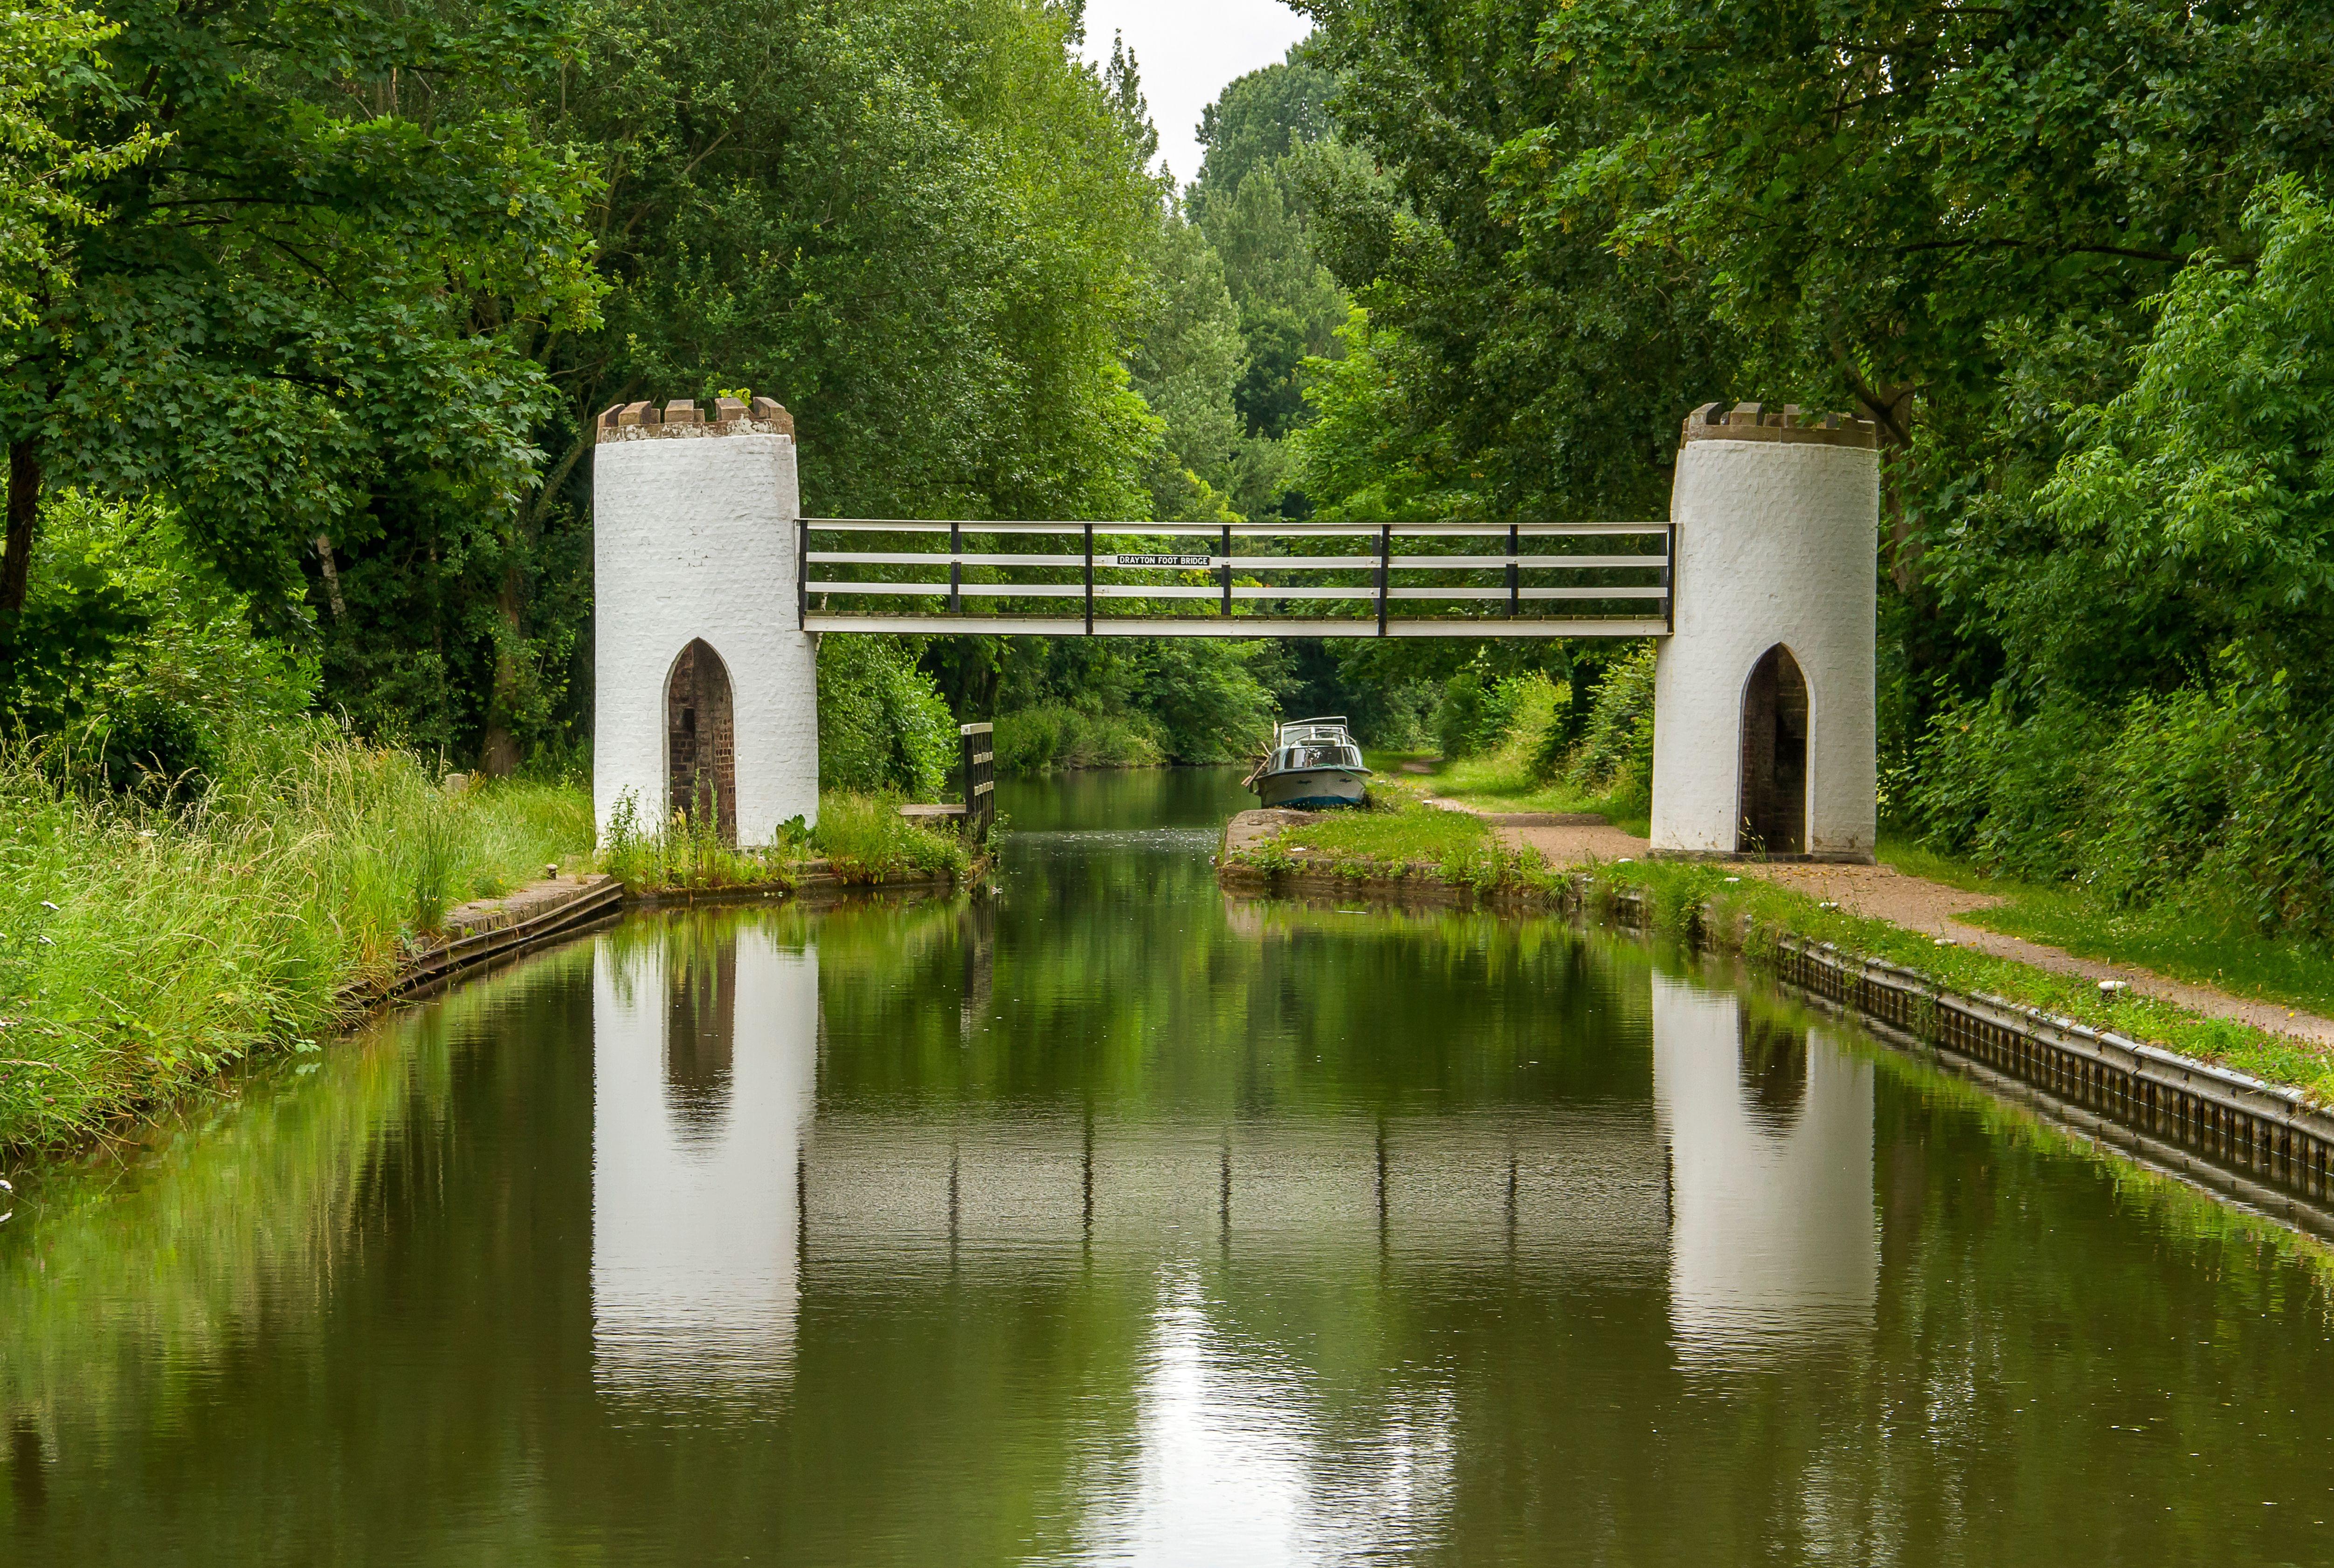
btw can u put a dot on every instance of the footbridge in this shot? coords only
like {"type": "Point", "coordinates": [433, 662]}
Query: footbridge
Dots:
{"type": "Point", "coordinates": [1758, 589]}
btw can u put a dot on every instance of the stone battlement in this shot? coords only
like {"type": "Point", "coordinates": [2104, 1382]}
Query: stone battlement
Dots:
{"type": "Point", "coordinates": [684, 417]}
{"type": "Point", "coordinates": [1755, 422]}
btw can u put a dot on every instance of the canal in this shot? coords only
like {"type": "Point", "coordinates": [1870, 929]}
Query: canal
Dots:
{"type": "Point", "coordinates": [1108, 1220]}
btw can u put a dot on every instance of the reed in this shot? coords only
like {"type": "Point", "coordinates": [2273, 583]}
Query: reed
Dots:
{"type": "Point", "coordinates": [144, 945]}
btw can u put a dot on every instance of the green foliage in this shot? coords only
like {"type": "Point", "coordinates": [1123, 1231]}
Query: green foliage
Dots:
{"type": "Point", "coordinates": [1481, 713]}
{"type": "Point", "coordinates": [867, 841]}
{"type": "Point", "coordinates": [1616, 754]}
{"type": "Point", "coordinates": [50, 63]}
{"type": "Point", "coordinates": [2161, 731]}
{"type": "Point", "coordinates": [132, 644]}
{"type": "Point", "coordinates": [185, 937]}
{"type": "Point", "coordinates": [1054, 734]}
{"type": "Point", "coordinates": [882, 722]}
{"type": "Point", "coordinates": [1128, 701]}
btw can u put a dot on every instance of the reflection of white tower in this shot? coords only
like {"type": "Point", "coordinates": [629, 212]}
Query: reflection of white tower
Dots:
{"type": "Point", "coordinates": [1773, 1242]}
{"type": "Point", "coordinates": [704, 1065]}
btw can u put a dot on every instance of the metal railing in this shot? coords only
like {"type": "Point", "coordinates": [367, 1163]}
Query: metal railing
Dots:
{"type": "Point", "coordinates": [1142, 580]}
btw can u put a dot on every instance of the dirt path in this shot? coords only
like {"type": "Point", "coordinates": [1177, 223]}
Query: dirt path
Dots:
{"type": "Point", "coordinates": [1917, 904]}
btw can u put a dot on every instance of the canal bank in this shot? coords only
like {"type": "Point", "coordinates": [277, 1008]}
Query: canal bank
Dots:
{"type": "Point", "coordinates": [1112, 1220]}
{"type": "Point", "coordinates": [2186, 1093]}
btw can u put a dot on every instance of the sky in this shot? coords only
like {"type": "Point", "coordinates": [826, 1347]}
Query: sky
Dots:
{"type": "Point", "coordinates": [1186, 51]}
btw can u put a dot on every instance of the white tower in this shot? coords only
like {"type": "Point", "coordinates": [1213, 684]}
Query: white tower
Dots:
{"type": "Point", "coordinates": [1763, 695]}
{"type": "Point", "coordinates": [706, 692]}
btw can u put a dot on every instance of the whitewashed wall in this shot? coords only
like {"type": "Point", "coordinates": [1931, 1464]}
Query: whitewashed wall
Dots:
{"type": "Point", "coordinates": [1776, 540]}
{"type": "Point", "coordinates": [693, 537]}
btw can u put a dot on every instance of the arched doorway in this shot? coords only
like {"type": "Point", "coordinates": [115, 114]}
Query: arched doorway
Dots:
{"type": "Point", "coordinates": [1774, 812]}
{"type": "Point", "coordinates": [701, 742]}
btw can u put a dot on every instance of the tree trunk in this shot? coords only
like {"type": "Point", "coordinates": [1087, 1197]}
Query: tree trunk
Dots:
{"type": "Point", "coordinates": [332, 577]}
{"type": "Point", "coordinates": [24, 507]}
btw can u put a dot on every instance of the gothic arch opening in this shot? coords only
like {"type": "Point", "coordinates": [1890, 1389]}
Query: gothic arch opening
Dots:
{"type": "Point", "coordinates": [1774, 811]}
{"type": "Point", "coordinates": [701, 743]}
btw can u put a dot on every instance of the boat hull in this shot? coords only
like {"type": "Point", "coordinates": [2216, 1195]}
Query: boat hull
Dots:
{"type": "Point", "coordinates": [1307, 788]}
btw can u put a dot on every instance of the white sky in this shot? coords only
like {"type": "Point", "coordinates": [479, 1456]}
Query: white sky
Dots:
{"type": "Point", "coordinates": [1186, 51]}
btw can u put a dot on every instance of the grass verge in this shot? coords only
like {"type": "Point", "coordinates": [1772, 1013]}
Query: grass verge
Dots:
{"type": "Point", "coordinates": [1725, 908]}
{"type": "Point", "coordinates": [1503, 782]}
{"type": "Point", "coordinates": [2180, 942]}
{"type": "Point", "coordinates": [144, 947]}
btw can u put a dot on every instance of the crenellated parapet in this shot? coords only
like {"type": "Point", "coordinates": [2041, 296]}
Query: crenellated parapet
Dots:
{"type": "Point", "coordinates": [686, 418]}
{"type": "Point", "coordinates": [1756, 423]}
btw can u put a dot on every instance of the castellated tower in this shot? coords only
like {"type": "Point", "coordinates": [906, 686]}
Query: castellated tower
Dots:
{"type": "Point", "coordinates": [706, 692]}
{"type": "Point", "coordinates": [1763, 695]}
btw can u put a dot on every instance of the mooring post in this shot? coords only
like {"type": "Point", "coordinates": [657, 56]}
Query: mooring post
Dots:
{"type": "Point", "coordinates": [978, 744]}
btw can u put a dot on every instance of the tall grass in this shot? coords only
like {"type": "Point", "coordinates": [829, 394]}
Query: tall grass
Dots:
{"type": "Point", "coordinates": [144, 945]}
{"type": "Point", "coordinates": [862, 836]}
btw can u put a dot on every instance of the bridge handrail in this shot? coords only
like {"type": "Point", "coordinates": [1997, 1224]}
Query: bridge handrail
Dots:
{"type": "Point", "coordinates": [1104, 553]}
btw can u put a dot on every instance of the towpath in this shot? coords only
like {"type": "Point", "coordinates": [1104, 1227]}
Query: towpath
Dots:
{"type": "Point", "coordinates": [1915, 903]}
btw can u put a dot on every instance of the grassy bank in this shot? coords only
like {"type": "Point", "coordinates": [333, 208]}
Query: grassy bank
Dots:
{"type": "Point", "coordinates": [144, 945]}
{"type": "Point", "coordinates": [1408, 840]}
{"type": "Point", "coordinates": [2181, 940]}
{"type": "Point", "coordinates": [1506, 781]}
{"type": "Point", "coordinates": [862, 838]}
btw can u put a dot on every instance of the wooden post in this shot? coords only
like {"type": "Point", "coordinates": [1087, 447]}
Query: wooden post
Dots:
{"type": "Point", "coordinates": [1514, 574]}
{"type": "Point", "coordinates": [1089, 579]}
{"type": "Point", "coordinates": [1228, 569]}
{"type": "Point", "coordinates": [1385, 567]}
{"type": "Point", "coordinates": [979, 749]}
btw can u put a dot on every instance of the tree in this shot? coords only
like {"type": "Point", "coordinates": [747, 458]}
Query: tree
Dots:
{"type": "Point", "coordinates": [296, 304]}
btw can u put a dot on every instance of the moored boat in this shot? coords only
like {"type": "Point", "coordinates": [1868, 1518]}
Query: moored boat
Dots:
{"type": "Point", "coordinates": [1313, 763]}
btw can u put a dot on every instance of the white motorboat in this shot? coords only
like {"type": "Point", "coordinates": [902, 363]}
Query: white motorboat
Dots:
{"type": "Point", "coordinates": [1313, 763]}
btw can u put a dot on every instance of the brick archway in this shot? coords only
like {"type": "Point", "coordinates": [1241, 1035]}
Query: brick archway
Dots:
{"type": "Point", "coordinates": [1773, 818]}
{"type": "Point", "coordinates": [701, 742]}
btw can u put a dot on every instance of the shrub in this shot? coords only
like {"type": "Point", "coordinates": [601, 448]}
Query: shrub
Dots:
{"type": "Point", "coordinates": [882, 722]}
{"type": "Point", "coordinates": [1616, 755]}
{"type": "Point", "coordinates": [1055, 735]}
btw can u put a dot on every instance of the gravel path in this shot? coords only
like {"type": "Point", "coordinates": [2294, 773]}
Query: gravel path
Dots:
{"type": "Point", "coordinates": [1933, 909]}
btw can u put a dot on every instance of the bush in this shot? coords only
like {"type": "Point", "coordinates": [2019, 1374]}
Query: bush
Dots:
{"type": "Point", "coordinates": [883, 724]}
{"type": "Point", "coordinates": [131, 644]}
{"type": "Point", "coordinates": [1055, 735]}
{"type": "Point", "coordinates": [1478, 715]}
{"type": "Point", "coordinates": [1616, 755]}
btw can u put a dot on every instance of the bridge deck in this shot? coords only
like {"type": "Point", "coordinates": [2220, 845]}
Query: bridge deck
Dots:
{"type": "Point", "coordinates": [1545, 580]}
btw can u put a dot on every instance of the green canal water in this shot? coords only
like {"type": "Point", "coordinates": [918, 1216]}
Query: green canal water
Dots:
{"type": "Point", "coordinates": [1110, 1220]}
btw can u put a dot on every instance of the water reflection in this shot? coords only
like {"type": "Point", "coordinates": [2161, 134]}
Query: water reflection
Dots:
{"type": "Point", "coordinates": [1126, 1233]}
{"type": "Point", "coordinates": [705, 1049]}
{"type": "Point", "coordinates": [1774, 1245]}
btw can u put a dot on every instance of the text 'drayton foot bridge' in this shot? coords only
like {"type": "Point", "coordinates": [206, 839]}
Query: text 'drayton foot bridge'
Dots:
{"type": "Point", "coordinates": [1146, 579]}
